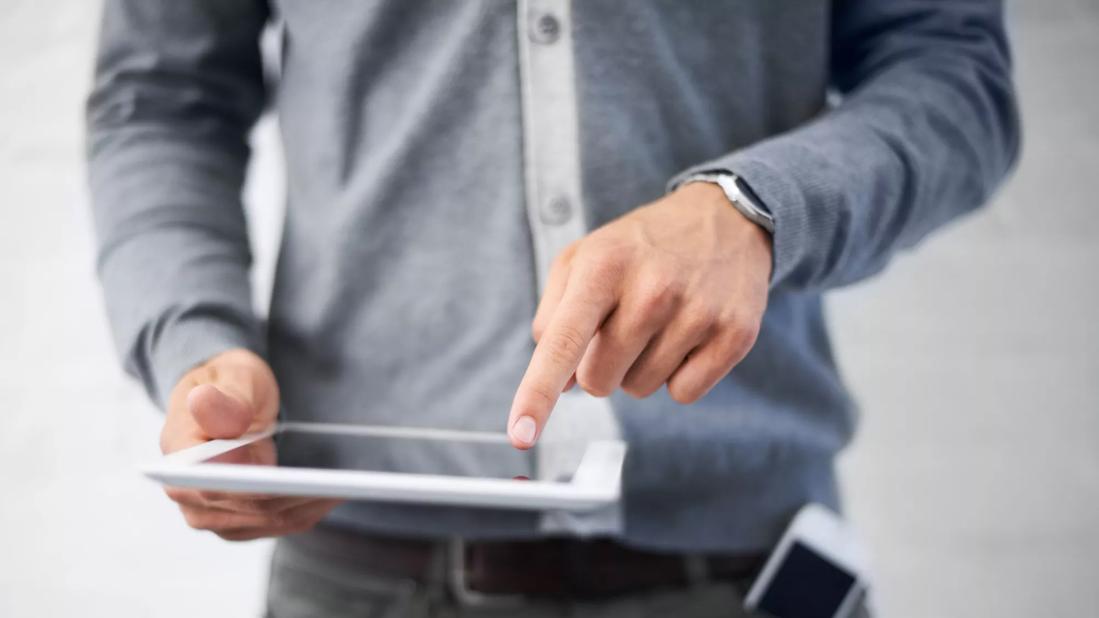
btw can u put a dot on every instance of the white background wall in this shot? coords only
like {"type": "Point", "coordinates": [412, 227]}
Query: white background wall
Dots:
{"type": "Point", "coordinates": [975, 475]}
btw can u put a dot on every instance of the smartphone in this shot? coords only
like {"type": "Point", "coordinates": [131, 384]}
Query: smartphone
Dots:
{"type": "Point", "coordinates": [817, 570]}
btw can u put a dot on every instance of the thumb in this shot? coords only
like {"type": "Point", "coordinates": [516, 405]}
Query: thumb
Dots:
{"type": "Point", "coordinates": [225, 397]}
{"type": "Point", "coordinates": [219, 412]}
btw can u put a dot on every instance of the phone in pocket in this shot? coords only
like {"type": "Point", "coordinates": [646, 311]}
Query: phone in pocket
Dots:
{"type": "Point", "coordinates": [818, 569]}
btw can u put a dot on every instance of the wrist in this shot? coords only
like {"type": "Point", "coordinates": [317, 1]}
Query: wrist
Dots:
{"type": "Point", "coordinates": [748, 237]}
{"type": "Point", "coordinates": [737, 194]}
{"type": "Point", "coordinates": [702, 194]}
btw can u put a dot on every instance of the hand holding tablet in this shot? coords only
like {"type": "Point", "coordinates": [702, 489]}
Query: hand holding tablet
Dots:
{"type": "Point", "coordinates": [232, 394]}
{"type": "Point", "coordinates": [237, 473]}
{"type": "Point", "coordinates": [397, 464]}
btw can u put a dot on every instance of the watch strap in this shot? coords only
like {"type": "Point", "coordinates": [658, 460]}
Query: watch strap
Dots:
{"type": "Point", "coordinates": [739, 195]}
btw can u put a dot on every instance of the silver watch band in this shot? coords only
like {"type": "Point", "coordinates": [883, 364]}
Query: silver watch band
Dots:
{"type": "Point", "coordinates": [743, 202]}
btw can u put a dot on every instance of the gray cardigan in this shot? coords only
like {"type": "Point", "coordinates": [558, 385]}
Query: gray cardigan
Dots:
{"type": "Point", "coordinates": [437, 152]}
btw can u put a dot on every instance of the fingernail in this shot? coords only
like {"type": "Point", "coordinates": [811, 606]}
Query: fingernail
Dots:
{"type": "Point", "coordinates": [523, 430]}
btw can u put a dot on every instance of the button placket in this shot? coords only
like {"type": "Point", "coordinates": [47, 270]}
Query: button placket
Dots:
{"type": "Point", "coordinates": [550, 129]}
{"type": "Point", "coordinates": [551, 167]}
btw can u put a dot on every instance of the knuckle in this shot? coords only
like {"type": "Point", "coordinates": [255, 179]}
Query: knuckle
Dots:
{"type": "Point", "coordinates": [739, 340]}
{"type": "Point", "coordinates": [564, 258]}
{"type": "Point", "coordinates": [635, 391]}
{"type": "Point", "coordinates": [566, 345]}
{"type": "Point", "coordinates": [683, 394]}
{"type": "Point", "coordinates": [604, 261]}
{"type": "Point", "coordinates": [750, 334]}
{"type": "Point", "coordinates": [638, 388]}
{"type": "Point", "coordinates": [543, 396]}
{"type": "Point", "coordinates": [699, 318]}
{"type": "Point", "coordinates": [615, 254]}
{"type": "Point", "coordinates": [657, 296]}
{"type": "Point", "coordinates": [569, 252]}
{"type": "Point", "coordinates": [593, 383]}
{"type": "Point", "coordinates": [709, 376]}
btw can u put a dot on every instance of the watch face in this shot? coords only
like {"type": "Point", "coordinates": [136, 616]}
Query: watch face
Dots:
{"type": "Point", "coordinates": [749, 194]}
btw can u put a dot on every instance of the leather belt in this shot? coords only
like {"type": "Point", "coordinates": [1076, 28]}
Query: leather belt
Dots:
{"type": "Point", "coordinates": [480, 571]}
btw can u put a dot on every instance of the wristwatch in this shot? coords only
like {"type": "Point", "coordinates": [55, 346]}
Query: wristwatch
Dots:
{"type": "Point", "coordinates": [740, 195]}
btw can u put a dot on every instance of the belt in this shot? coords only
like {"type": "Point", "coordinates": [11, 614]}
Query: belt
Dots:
{"type": "Point", "coordinates": [479, 572]}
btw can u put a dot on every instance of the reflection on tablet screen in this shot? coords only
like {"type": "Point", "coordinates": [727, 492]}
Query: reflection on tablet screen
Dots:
{"type": "Point", "coordinates": [341, 451]}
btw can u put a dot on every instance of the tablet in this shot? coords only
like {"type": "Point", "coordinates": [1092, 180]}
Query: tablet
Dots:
{"type": "Point", "coordinates": [395, 464]}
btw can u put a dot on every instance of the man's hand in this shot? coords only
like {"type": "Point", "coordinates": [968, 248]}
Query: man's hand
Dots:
{"type": "Point", "coordinates": [672, 292]}
{"type": "Point", "coordinates": [228, 396]}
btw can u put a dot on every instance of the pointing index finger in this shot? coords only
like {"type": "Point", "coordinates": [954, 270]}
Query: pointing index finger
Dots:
{"type": "Point", "coordinates": [555, 359]}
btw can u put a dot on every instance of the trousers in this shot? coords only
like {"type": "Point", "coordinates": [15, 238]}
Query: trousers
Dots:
{"type": "Point", "coordinates": [303, 584]}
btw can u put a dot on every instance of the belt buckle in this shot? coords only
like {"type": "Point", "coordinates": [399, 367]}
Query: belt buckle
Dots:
{"type": "Point", "coordinates": [459, 585]}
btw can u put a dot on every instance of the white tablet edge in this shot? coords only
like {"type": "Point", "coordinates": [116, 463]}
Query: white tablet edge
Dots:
{"type": "Point", "coordinates": [596, 482]}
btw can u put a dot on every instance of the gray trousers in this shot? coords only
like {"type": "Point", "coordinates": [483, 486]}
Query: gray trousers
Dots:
{"type": "Point", "coordinates": [302, 584]}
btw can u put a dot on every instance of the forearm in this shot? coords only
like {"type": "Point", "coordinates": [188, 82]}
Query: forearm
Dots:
{"type": "Point", "coordinates": [926, 133]}
{"type": "Point", "coordinates": [167, 127]}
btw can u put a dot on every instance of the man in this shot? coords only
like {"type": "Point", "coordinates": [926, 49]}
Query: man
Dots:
{"type": "Point", "coordinates": [663, 187]}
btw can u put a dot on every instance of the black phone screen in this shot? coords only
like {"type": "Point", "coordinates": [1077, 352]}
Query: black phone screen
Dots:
{"type": "Point", "coordinates": [806, 585]}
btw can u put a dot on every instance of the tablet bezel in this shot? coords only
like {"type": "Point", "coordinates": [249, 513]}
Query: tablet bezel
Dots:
{"type": "Point", "coordinates": [596, 482]}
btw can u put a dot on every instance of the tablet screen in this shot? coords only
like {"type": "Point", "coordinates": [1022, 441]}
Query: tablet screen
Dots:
{"type": "Point", "coordinates": [382, 453]}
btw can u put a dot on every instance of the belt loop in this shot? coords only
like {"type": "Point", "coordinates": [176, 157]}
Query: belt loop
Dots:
{"type": "Point", "coordinates": [437, 580]}
{"type": "Point", "coordinates": [697, 569]}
